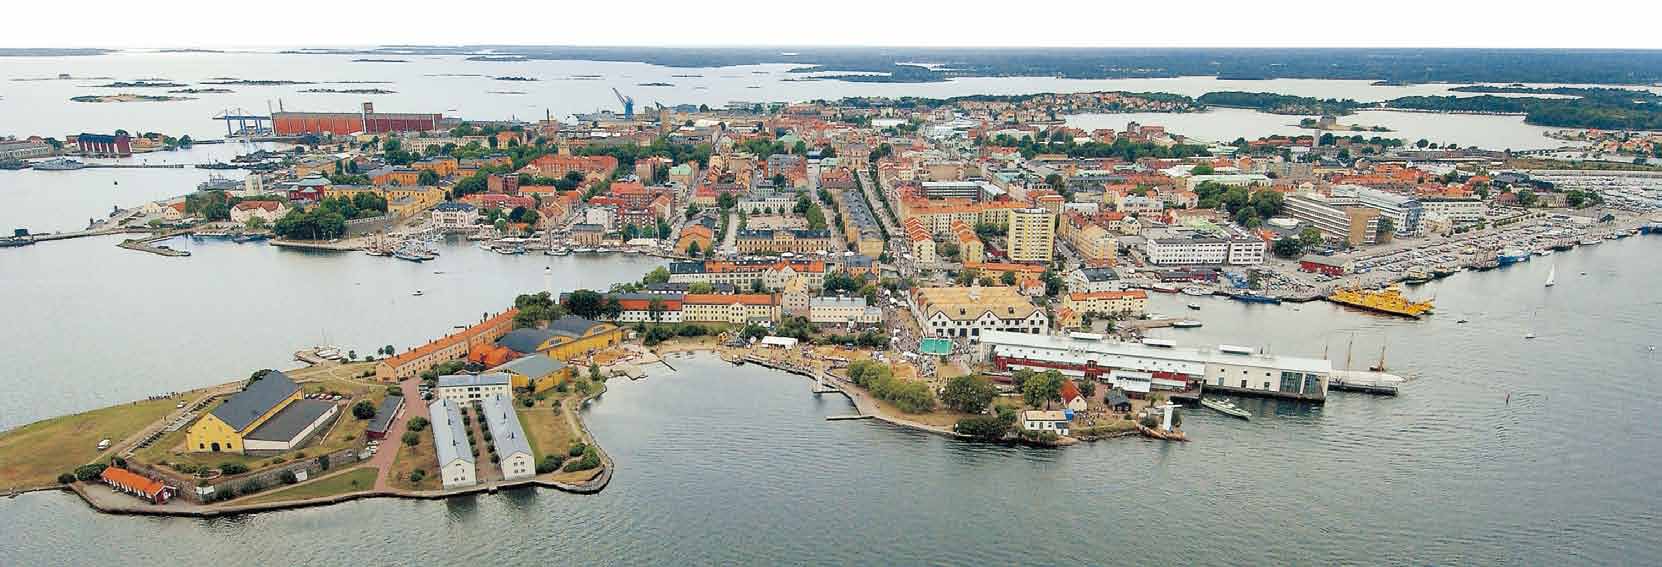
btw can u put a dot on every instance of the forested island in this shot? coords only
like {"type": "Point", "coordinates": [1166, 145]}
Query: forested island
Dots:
{"type": "Point", "coordinates": [1279, 103]}
{"type": "Point", "coordinates": [256, 83]}
{"type": "Point", "coordinates": [140, 84]}
{"type": "Point", "coordinates": [1602, 108]}
{"type": "Point", "coordinates": [350, 91]}
{"type": "Point", "coordinates": [1392, 66]}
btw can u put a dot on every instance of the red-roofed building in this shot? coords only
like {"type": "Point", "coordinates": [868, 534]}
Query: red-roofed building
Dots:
{"type": "Point", "coordinates": [556, 166]}
{"type": "Point", "coordinates": [413, 362]}
{"type": "Point", "coordinates": [127, 481]}
{"type": "Point", "coordinates": [1071, 397]}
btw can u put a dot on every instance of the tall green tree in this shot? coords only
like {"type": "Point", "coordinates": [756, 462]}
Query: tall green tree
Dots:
{"type": "Point", "coordinates": [969, 393]}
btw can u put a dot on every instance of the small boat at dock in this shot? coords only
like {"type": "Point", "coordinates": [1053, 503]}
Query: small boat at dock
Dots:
{"type": "Point", "coordinates": [1194, 306]}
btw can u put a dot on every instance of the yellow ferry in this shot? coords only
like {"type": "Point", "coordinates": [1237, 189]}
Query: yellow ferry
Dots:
{"type": "Point", "coordinates": [1388, 300]}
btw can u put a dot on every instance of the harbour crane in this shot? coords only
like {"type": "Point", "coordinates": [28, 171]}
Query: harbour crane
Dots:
{"type": "Point", "coordinates": [628, 103]}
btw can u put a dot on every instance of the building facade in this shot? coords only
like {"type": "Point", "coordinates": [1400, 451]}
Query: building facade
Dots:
{"type": "Point", "coordinates": [462, 388]}
{"type": "Point", "coordinates": [971, 311]}
{"type": "Point", "coordinates": [1032, 235]}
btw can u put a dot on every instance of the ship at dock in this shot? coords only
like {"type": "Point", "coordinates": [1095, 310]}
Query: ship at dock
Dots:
{"type": "Point", "coordinates": [58, 164]}
{"type": "Point", "coordinates": [1512, 256]}
{"type": "Point", "coordinates": [1389, 301]}
{"type": "Point", "coordinates": [1256, 298]}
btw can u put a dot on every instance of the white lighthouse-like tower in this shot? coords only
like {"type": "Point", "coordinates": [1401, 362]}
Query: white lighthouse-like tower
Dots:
{"type": "Point", "coordinates": [1167, 408]}
{"type": "Point", "coordinates": [548, 280]}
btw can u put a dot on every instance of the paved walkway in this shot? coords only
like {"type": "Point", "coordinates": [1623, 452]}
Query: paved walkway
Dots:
{"type": "Point", "coordinates": [413, 406]}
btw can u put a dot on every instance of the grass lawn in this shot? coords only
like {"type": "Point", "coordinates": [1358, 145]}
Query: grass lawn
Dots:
{"type": "Point", "coordinates": [35, 454]}
{"type": "Point", "coordinates": [546, 432]}
{"type": "Point", "coordinates": [361, 478]}
{"type": "Point", "coordinates": [421, 456]}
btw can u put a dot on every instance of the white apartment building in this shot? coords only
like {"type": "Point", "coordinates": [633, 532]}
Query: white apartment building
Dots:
{"type": "Point", "coordinates": [450, 442]}
{"type": "Point", "coordinates": [454, 216]}
{"type": "Point", "coordinates": [1457, 210]}
{"type": "Point", "coordinates": [1205, 250]}
{"type": "Point", "coordinates": [461, 388]}
{"type": "Point", "coordinates": [843, 310]}
{"type": "Point", "coordinates": [513, 452]}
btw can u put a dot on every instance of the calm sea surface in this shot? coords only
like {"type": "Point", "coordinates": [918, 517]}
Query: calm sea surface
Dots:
{"type": "Point", "coordinates": [723, 465]}
{"type": "Point", "coordinates": [469, 89]}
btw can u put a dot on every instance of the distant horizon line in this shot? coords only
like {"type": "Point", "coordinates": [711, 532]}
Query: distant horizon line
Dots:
{"type": "Point", "coordinates": [209, 47]}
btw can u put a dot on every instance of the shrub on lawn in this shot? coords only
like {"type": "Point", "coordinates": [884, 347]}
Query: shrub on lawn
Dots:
{"type": "Point", "coordinates": [417, 475]}
{"type": "Point", "coordinates": [411, 438]}
{"type": "Point", "coordinates": [288, 477]}
{"type": "Point", "coordinates": [89, 472]}
{"type": "Point", "coordinates": [67, 478]}
{"type": "Point", "coordinates": [591, 459]}
{"type": "Point", "coordinates": [233, 468]}
{"type": "Point", "coordinates": [550, 464]}
{"type": "Point", "coordinates": [418, 423]}
{"type": "Point", "coordinates": [577, 449]}
{"type": "Point", "coordinates": [363, 409]}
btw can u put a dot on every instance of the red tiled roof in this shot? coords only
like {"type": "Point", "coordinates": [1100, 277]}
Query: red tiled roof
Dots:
{"type": "Point", "coordinates": [465, 335]}
{"type": "Point", "coordinates": [249, 205]}
{"type": "Point", "coordinates": [727, 299]}
{"type": "Point", "coordinates": [1069, 390]}
{"type": "Point", "coordinates": [131, 480]}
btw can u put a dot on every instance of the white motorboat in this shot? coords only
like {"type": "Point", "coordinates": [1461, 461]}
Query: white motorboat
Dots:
{"type": "Point", "coordinates": [1226, 408]}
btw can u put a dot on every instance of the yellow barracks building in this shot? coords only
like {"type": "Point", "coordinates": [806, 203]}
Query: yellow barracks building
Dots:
{"type": "Point", "coordinates": [264, 416]}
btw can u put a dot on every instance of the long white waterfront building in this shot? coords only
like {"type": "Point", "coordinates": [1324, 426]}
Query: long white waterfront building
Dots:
{"type": "Point", "coordinates": [1225, 368]}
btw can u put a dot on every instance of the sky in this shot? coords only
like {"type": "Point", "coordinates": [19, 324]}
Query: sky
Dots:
{"type": "Point", "coordinates": [973, 23]}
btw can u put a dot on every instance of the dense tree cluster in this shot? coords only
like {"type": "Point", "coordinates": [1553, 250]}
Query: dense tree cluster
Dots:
{"type": "Point", "coordinates": [911, 396]}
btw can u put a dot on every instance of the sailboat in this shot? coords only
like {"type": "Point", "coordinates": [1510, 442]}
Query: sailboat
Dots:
{"type": "Point", "coordinates": [1552, 276]}
{"type": "Point", "coordinates": [1381, 366]}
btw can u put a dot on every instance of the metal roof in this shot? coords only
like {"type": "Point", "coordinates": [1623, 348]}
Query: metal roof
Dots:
{"type": "Point", "coordinates": [524, 341]}
{"type": "Point", "coordinates": [384, 414]}
{"type": "Point", "coordinates": [1189, 360]}
{"type": "Point", "coordinates": [489, 379]}
{"type": "Point", "coordinates": [291, 421]}
{"type": "Point", "coordinates": [571, 326]}
{"type": "Point", "coordinates": [242, 408]}
{"type": "Point", "coordinates": [506, 434]}
{"type": "Point", "coordinates": [534, 366]}
{"type": "Point", "coordinates": [449, 435]}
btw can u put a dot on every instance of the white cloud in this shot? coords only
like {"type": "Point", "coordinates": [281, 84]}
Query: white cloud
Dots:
{"type": "Point", "coordinates": [977, 23]}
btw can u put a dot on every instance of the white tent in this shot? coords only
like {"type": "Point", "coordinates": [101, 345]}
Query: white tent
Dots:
{"type": "Point", "coordinates": [781, 342]}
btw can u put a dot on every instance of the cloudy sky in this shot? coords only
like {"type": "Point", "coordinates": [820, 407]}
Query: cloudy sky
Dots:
{"type": "Point", "coordinates": [1096, 23]}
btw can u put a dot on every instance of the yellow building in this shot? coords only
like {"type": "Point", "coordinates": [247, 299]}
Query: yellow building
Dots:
{"type": "Point", "coordinates": [579, 336]}
{"type": "Point", "coordinates": [1103, 303]}
{"type": "Point", "coordinates": [1032, 235]}
{"type": "Point", "coordinates": [970, 248]}
{"type": "Point", "coordinates": [225, 428]}
{"type": "Point", "coordinates": [738, 309]}
{"type": "Point", "coordinates": [921, 243]}
{"type": "Point", "coordinates": [538, 372]}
